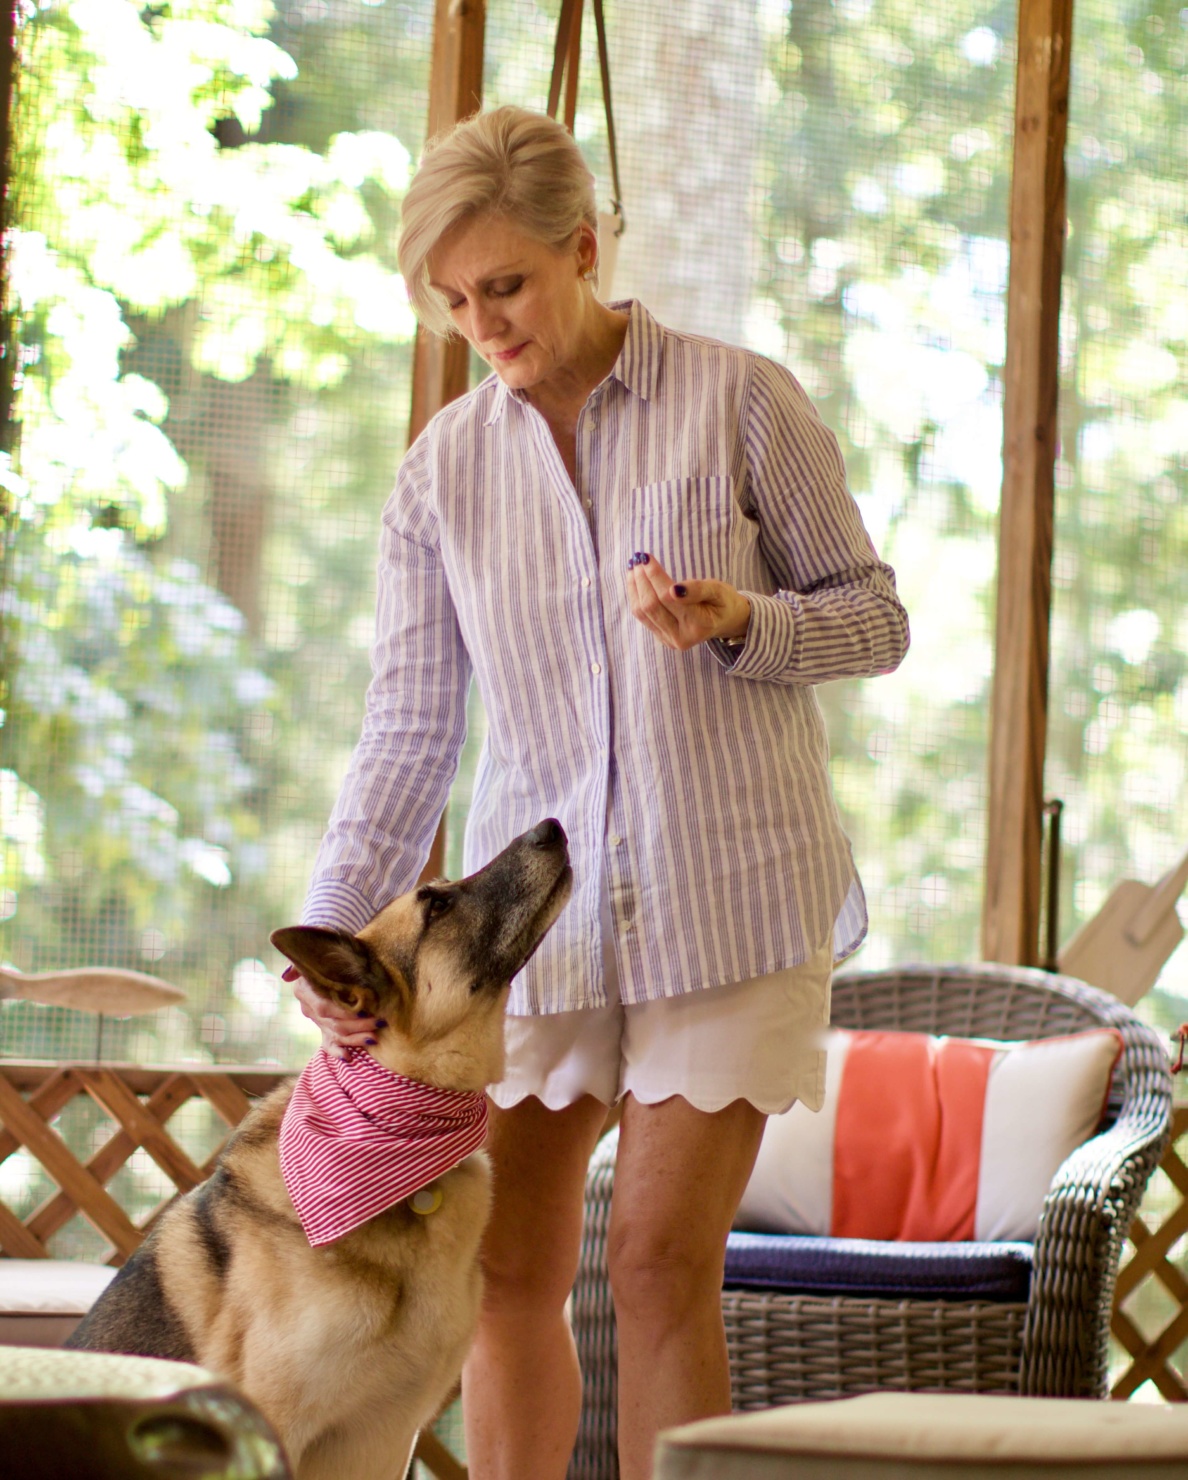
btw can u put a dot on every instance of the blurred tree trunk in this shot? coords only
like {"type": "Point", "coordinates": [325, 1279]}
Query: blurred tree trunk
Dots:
{"type": "Point", "coordinates": [685, 82]}
{"type": "Point", "coordinates": [238, 494]}
{"type": "Point", "coordinates": [222, 430]}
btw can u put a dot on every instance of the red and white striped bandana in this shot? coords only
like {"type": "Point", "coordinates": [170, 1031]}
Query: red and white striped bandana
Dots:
{"type": "Point", "coordinates": [357, 1139]}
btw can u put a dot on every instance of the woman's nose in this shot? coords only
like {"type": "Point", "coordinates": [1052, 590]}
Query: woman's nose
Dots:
{"type": "Point", "coordinates": [485, 320]}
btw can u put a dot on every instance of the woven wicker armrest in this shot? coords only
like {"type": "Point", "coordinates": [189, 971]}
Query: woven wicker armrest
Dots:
{"type": "Point", "coordinates": [1086, 1215]}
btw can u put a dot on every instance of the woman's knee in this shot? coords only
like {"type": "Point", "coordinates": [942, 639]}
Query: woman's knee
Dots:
{"type": "Point", "coordinates": [530, 1273]}
{"type": "Point", "coordinates": [656, 1269]}
{"type": "Point", "coordinates": [533, 1241]}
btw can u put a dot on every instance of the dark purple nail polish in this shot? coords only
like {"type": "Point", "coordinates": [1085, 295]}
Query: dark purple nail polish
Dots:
{"type": "Point", "coordinates": [370, 1041]}
{"type": "Point", "coordinates": [381, 1022]}
{"type": "Point", "coordinates": [645, 558]}
{"type": "Point", "coordinates": [680, 591]}
{"type": "Point", "coordinates": [361, 1013]}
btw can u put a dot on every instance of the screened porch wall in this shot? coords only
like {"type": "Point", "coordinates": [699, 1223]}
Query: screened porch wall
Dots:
{"type": "Point", "coordinates": [824, 182]}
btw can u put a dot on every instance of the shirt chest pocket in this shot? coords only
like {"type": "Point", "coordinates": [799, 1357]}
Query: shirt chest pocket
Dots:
{"type": "Point", "coordinates": [688, 524]}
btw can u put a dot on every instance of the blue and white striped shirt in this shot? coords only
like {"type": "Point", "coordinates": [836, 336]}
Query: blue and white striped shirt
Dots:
{"type": "Point", "coordinates": [697, 781]}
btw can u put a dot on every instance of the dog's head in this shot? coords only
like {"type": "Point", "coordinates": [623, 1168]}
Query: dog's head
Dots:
{"type": "Point", "coordinates": [437, 962]}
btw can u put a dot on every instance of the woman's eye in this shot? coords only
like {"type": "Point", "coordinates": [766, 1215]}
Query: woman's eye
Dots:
{"type": "Point", "coordinates": [506, 290]}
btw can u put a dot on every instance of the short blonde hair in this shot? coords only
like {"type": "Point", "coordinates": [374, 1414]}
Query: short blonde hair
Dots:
{"type": "Point", "coordinates": [510, 162]}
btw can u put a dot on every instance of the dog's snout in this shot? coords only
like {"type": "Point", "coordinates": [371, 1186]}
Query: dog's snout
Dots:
{"type": "Point", "coordinates": [546, 834]}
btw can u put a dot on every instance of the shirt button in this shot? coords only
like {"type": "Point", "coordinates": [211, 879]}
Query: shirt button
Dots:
{"type": "Point", "coordinates": [595, 667]}
{"type": "Point", "coordinates": [585, 580]}
{"type": "Point", "coordinates": [616, 841]}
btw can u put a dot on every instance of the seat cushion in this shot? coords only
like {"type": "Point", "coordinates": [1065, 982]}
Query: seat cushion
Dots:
{"type": "Point", "coordinates": [870, 1269]}
{"type": "Point", "coordinates": [43, 1300]}
{"type": "Point", "coordinates": [906, 1436]}
{"type": "Point", "coordinates": [51, 1287]}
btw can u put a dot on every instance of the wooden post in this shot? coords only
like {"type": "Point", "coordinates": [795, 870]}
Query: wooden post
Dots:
{"type": "Point", "coordinates": [8, 331]}
{"type": "Point", "coordinates": [441, 367]}
{"type": "Point", "coordinates": [1011, 908]}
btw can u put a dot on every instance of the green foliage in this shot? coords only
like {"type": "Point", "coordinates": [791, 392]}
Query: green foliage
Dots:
{"type": "Point", "coordinates": [1119, 705]}
{"type": "Point", "coordinates": [886, 142]}
{"type": "Point", "coordinates": [133, 205]}
{"type": "Point", "coordinates": [154, 271]}
{"type": "Point", "coordinates": [882, 218]}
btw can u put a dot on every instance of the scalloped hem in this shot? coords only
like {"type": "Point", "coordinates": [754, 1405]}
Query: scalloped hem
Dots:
{"type": "Point", "coordinates": [709, 1105]}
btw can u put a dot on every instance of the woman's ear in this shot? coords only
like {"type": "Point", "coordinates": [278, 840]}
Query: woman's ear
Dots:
{"type": "Point", "coordinates": [587, 250]}
{"type": "Point", "coordinates": [335, 963]}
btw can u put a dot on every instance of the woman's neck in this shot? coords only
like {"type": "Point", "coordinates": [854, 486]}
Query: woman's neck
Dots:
{"type": "Point", "coordinates": [562, 396]}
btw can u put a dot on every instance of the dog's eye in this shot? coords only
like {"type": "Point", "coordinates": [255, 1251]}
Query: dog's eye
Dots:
{"type": "Point", "coordinates": [435, 902]}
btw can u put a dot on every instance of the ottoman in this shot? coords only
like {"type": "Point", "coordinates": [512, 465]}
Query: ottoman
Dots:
{"type": "Point", "coordinates": [934, 1436]}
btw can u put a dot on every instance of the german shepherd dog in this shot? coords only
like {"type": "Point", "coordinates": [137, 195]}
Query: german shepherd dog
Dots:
{"type": "Point", "coordinates": [350, 1348]}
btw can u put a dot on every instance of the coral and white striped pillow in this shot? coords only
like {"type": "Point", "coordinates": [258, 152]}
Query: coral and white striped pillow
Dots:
{"type": "Point", "coordinates": [931, 1139]}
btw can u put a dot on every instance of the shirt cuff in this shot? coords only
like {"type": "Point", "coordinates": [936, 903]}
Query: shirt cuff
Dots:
{"type": "Point", "coordinates": [336, 905]}
{"type": "Point", "coordinates": [768, 649]}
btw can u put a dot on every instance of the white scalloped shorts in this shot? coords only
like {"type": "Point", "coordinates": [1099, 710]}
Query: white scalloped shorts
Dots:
{"type": "Point", "coordinates": [759, 1040]}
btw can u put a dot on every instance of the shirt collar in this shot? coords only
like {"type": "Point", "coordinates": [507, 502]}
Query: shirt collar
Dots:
{"type": "Point", "coordinates": [638, 365]}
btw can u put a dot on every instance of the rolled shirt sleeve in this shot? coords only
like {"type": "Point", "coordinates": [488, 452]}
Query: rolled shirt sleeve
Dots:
{"type": "Point", "coordinates": [836, 613]}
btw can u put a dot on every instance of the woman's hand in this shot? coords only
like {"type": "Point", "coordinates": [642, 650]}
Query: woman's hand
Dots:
{"type": "Point", "coordinates": [687, 613]}
{"type": "Point", "coordinates": [340, 1027]}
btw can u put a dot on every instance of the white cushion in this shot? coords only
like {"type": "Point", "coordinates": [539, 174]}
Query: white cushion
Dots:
{"type": "Point", "coordinates": [967, 1150]}
{"type": "Point", "coordinates": [61, 1287]}
{"type": "Point", "coordinates": [933, 1428]}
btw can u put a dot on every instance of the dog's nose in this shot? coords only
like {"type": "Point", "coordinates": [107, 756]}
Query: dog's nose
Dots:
{"type": "Point", "coordinates": [546, 834]}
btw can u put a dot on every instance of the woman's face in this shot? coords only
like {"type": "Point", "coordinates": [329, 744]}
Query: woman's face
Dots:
{"type": "Point", "coordinates": [521, 304]}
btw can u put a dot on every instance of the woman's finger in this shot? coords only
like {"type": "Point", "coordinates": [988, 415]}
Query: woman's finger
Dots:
{"type": "Point", "coordinates": [338, 1025]}
{"type": "Point", "coordinates": [317, 1006]}
{"type": "Point", "coordinates": [690, 610]}
{"type": "Point", "coordinates": [646, 579]}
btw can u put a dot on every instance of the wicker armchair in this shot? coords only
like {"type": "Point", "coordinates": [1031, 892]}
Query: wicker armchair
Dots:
{"type": "Point", "coordinates": [788, 1346]}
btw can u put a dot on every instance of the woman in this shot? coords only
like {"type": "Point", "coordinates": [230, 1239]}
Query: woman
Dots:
{"type": "Point", "coordinates": [641, 545]}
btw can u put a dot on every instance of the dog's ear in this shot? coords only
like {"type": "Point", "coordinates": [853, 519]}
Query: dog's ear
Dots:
{"type": "Point", "coordinates": [336, 963]}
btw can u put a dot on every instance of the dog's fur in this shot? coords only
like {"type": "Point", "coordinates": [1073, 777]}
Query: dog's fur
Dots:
{"type": "Point", "coordinates": [352, 1347]}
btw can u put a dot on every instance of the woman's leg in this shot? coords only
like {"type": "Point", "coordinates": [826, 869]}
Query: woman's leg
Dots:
{"type": "Point", "coordinates": [679, 1178]}
{"type": "Point", "coordinates": [521, 1386]}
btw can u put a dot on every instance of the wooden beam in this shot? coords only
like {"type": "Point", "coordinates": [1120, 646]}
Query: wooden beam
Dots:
{"type": "Point", "coordinates": [441, 367]}
{"type": "Point", "coordinates": [8, 324]}
{"type": "Point", "coordinates": [1019, 712]}
{"type": "Point", "coordinates": [456, 78]}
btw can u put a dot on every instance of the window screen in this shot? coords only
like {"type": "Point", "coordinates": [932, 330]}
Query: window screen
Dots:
{"type": "Point", "coordinates": [215, 389]}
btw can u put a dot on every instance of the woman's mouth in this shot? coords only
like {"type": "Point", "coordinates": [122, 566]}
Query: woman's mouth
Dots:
{"type": "Point", "coordinates": [505, 356]}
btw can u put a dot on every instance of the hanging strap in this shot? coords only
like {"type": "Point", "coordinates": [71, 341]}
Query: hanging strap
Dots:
{"type": "Point", "coordinates": [566, 62]}
{"type": "Point", "coordinates": [566, 56]}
